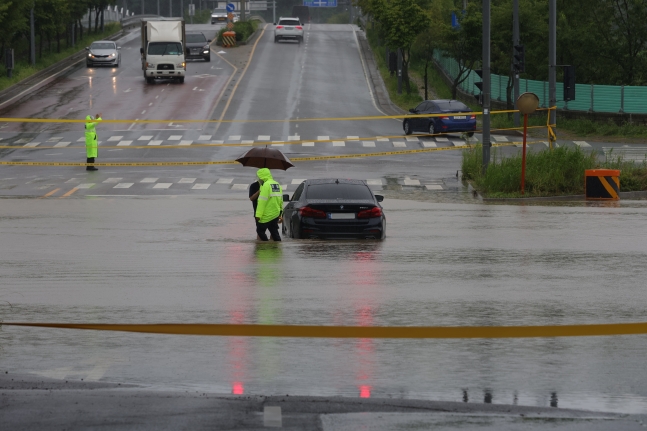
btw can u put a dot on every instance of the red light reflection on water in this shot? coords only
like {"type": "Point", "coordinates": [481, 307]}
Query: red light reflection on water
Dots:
{"type": "Point", "coordinates": [365, 391]}
{"type": "Point", "coordinates": [237, 388]}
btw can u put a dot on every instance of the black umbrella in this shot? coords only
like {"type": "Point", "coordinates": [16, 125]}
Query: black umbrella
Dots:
{"type": "Point", "coordinates": [264, 157]}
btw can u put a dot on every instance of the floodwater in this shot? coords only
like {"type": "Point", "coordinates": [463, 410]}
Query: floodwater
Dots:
{"type": "Point", "coordinates": [194, 260]}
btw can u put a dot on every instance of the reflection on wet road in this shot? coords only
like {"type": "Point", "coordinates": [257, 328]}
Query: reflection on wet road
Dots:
{"type": "Point", "coordinates": [192, 259]}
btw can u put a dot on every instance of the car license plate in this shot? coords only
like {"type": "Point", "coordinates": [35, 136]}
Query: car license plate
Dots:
{"type": "Point", "coordinates": [460, 117]}
{"type": "Point", "coordinates": [341, 216]}
{"type": "Point", "coordinates": [289, 28]}
{"type": "Point", "coordinates": [195, 51]}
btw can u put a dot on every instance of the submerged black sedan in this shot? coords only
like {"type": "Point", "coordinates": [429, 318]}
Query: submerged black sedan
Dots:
{"type": "Point", "coordinates": [334, 209]}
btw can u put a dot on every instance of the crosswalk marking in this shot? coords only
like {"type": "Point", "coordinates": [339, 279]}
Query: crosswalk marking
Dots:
{"type": "Point", "coordinates": [71, 180]}
{"type": "Point", "coordinates": [352, 138]}
{"type": "Point", "coordinates": [500, 138]}
{"type": "Point", "coordinates": [399, 144]}
{"type": "Point", "coordinates": [410, 182]}
{"type": "Point", "coordinates": [297, 181]}
{"type": "Point", "coordinates": [162, 185]}
{"type": "Point", "coordinates": [149, 180]}
{"type": "Point", "coordinates": [32, 144]}
{"type": "Point", "coordinates": [145, 138]}
{"type": "Point", "coordinates": [85, 185]}
{"type": "Point", "coordinates": [81, 139]}
{"type": "Point", "coordinates": [200, 186]}
{"type": "Point", "coordinates": [54, 139]}
{"type": "Point", "coordinates": [239, 187]}
{"type": "Point", "coordinates": [338, 143]}
{"type": "Point", "coordinates": [224, 181]}
{"type": "Point", "coordinates": [186, 142]}
{"type": "Point", "coordinates": [187, 180]}
{"type": "Point", "coordinates": [112, 180]}
{"type": "Point", "coordinates": [247, 142]}
{"type": "Point", "coordinates": [582, 144]}
{"type": "Point", "coordinates": [123, 186]}
{"type": "Point", "coordinates": [155, 142]}
{"type": "Point", "coordinates": [234, 138]}
{"type": "Point", "coordinates": [323, 138]}
{"type": "Point", "coordinates": [433, 187]}
{"type": "Point", "coordinates": [114, 138]}
{"type": "Point", "coordinates": [383, 139]}
{"type": "Point", "coordinates": [263, 137]}
{"type": "Point", "coordinates": [459, 143]}
{"type": "Point", "coordinates": [368, 144]}
{"type": "Point", "coordinates": [412, 139]}
{"type": "Point", "coordinates": [428, 144]}
{"type": "Point", "coordinates": [294, 138]}
{"type": "Point", "coordinates": [124, 143]}
{"type": "Point", "coordinates": [218, 142]}
{"type": "Point", "coordinates": [308, 144]}
{"type": "Point", "coordinates": [22, 141]}
{"type": "Point", "coordinates": [441, 139]}
{"type": "Point", "coordinates": [62, 144]}
{"type": "Point", "coordinates": [374, 182]}
{"type": "Point", "coordinates": [175, 138]}
{"type": "Point", "coordinates": [204, 138]}
{"type": "Point", "coordinates": [278, 144]}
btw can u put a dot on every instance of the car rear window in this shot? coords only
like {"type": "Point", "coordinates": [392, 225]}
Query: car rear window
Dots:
{"type": "Point", "coordinates": [338, 191]}
{"type": "Point", "coordinates": [453, 106]}
{"type": "Point", "coordinates": [194, 38]}
{"type": "Point", "coordinates": [289, 22]}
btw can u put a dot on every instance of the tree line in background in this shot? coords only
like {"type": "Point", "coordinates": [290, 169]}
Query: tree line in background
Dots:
{"type": "Point", "coordinates": [55, 23]}
{"type": "Point", "coordinates": [606, 40]}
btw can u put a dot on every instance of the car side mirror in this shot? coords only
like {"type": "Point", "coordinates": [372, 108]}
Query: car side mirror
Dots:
{"type": "Point", "coordinates": [379, 198]}
{"type": "Point", "coordinates": [274, 23]}
{"type": "Point", "coordinates": [118, 47]}
{"type": "Point", "coordinates": [87, 48]}
{"type": "Point", "coordinates": [286, 198]}
{"type": "Point", "coordinates": [412, 110]}
{"type": "Point", "coordinates": [208, 40]}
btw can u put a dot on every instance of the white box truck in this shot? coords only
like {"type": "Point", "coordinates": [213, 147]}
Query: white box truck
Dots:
{"type": "Point", "coordinates": [162, 50]}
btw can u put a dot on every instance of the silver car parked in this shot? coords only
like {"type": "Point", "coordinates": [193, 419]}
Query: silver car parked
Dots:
{"type": "Point", "coordinates": [103, 53]}
{"type": "Point", "coordinates": [288, 28]}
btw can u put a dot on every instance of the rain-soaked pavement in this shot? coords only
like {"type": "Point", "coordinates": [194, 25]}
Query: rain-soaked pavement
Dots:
{"type": "Point", "coordinates": [194, 259]}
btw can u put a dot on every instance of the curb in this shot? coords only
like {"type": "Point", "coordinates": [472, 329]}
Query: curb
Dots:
{"type": "Point", "coordinates": [636, 195]}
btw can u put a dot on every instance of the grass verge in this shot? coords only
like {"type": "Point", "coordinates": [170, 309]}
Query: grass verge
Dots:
{"type": "Point", "coordinates": [557, 172]}
{"type": "Point", "coordinates": [243, 29]}
{"type": "Point", "coordinates": [24, 70]}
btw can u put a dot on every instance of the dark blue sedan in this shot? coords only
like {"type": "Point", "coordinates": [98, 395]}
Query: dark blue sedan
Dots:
{"type": "Point", "coordinates": [452, 122]}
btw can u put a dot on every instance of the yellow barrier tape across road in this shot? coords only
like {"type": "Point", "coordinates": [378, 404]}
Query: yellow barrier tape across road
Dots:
{"type": "Point", "coordinates": [232, 162]}
{"type": "Point", "coordinates": [307, 331]}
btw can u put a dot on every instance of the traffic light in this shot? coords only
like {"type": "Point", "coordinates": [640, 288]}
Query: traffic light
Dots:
{"type": "Point", "coordinates": [519, 55]}
{"type": "Point", "coordinates": [479, 85]}
{"type": "Point", "coordinates": [569, 83]}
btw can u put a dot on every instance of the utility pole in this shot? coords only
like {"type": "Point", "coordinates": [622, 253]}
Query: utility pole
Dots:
{"type": "Point", "coordinates": [242, 10]}
{"type": "Point", "coordinates": [143, 11]}
{"type": "Point", "coordinates": [158, 7]}
{"type": "Point", "coordinates": [552, 58]}
{"type": "Point", "coordinates": [515, 42]}
{"type": "Point", "coordinates": [32, 39]}
{"type": "Point", "coordinates": [170, 8]}
{"type": "Point", "coordinates": [486, 84]}
{"type": "Point", "coordinates": [399, 71]}
{"type": "Point", "coordinates": [181, 8]}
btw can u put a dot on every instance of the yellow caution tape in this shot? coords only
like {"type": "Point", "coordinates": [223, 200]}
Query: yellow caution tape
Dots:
{"type": "Point", "coordinates": [307, 331]}
{"type": "Point", "coordinates": [231, 162]}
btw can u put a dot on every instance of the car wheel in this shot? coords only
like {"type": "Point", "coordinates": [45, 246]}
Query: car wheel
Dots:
{"type": "Point", "coordinates": [432, 128]}
{"type": "Point", "coordinates": [208, 59]}
{"type": "Point", "coordinates": [407, 127]}
{"type": "Point", "coordinates": [470, 134]}
{"type": "Point", "coordinates": [150, 80]}
{"type": "Point", "coordinates": [182, 80]}
{"type": "Point", "coordinates": [292, 231]}
{"type": "Point", "coordinates": [276, 39]}
{"type": "Point", "coordinates": [88, 65]}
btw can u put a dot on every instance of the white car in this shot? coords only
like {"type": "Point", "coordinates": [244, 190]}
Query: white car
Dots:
{"type": "Point", "coordinates": [288, 28]}
{"type": "Point", "coordinates": [221, 15]}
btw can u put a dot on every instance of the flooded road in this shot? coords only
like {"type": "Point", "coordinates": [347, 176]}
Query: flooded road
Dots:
{"type": "Point", "coordinates": [193, 259]}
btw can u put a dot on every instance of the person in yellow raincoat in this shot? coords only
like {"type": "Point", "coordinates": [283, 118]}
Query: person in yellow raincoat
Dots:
{"type": "Point", "coordinates": [91, 142]}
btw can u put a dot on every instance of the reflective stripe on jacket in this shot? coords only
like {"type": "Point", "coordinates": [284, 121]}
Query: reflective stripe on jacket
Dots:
{"type": "Point", "coordinates": [270, 200]}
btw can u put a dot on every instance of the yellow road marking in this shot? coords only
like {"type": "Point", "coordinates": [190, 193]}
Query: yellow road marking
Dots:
{"type": "Point", "coordinates": [48, 194]}
{"type": "Point", "coordinates": [307, 331]}
{"type": "Point", "coordinates": [69, 193]}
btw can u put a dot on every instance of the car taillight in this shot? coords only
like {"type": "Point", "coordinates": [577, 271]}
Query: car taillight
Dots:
{"type": "Point", "coordinates": [311, 212]}
{"type": "Point", "coordinates": [473, 117]}
{"type": "Point", "coordinates": [299, 27]}
{"type": "Point", "coordinates": [279, 26]}
{"type": "Point", "coordinates": [444, 118]}
{"type": "Point", "coordinates": [372, 213]}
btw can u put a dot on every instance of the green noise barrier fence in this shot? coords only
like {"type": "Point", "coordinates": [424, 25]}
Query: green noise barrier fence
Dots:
{"type": "Point", "coordinates": [589, 98]}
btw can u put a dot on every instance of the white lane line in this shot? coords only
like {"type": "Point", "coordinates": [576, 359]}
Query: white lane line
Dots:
{"type": "Point", "coordinates": [112, 180]}
{"type": "Point", "coordinates": [149, 180]}
{"type": "Point", "coordinates": [155, 143]}
{"type": "Point", "coordinates": [143, 112]}
{"type": "Point", "coordinates": [145, 138]}
{"type": "Point", "coordinates": [85, 185]}
{"type": "Point", "coordinates": [411, 139]}
{"type": "Point", "coordinates": [71, 180]}
{"type": "Point", "coordinates": [410, 182]}
{"type": "Point", "coordinates": [433, 187]}
{"type": "Point", "coordinates": [234, 138]}
{"type": "Point", "coordinates": [113, 138]}
{"type": "Point", "coordinates": [500, 138]}
{"type": "Point", "coordinates": [294, 138]}
{"type": "Point", "coordinates": [150, 104]}
{"type": "Point", "coordinates": [224, 181]}
{"type": "Point", "coordinates": [308, 144]}
{"type": "Point", "coordinates": [32, 144]}
{"type": "Point", "coordinates": [195, 88]}
{"type": "Point", "coordinates": [124, 143]}
{"type": "Point", "coordinates": [400, 144]}
{"type": "Point", "coordinates": [428, 144]}
{"type": "Point", "coordinates": [132, 125]}
{"type": "Point", "coordinates": [582, 144]}
{"type": "Point", "coordinates": [297, 181]}
{"type": "Point", "coordinates": [162, 185]}
{"type": "Point", "coordinates": [62, 144]}
{"type": "Point", "coordinates": [187, 180]}
{"type": "Point", "coordinates": [374, 182]}
{"type": "Point", "coordinates": [263, 137]}
{"type": "Point", "coordinates": [204, 138]}
{"type": "Point", "coordinates": [186, 142]}
{"type": "Point", "coordinates": [123, 186]}
{"type": "Point", "coordinates": [323, 138]}
{"type": "Point", "coordinates": [175, 137]}
{"type": "Point", "coordinates": [200, 186]}
{"type": "Point", "coordinates": [239, 187]}
{"type": "Point", "coordinates": [368, 144]}
{"type": "Point", "coordinates": [338, 143]}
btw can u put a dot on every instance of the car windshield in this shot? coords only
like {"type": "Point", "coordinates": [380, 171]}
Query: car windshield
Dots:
{"type": "Point", "coordinates": [452, 106]}
{"type": "Point", "coordinates": [289, 22]}
{"type": "Point", "coordinates": [102, 45]}
{"type": "Point", "coordinates": [164, 48]}
{"type": "Point", "coordinates": [195, 38]}
{"type": "Point", "coordinates": [338, 191]}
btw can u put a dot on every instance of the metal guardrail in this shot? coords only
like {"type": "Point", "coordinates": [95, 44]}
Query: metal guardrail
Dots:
{"type": "Point", "coordinates": [136, 19]}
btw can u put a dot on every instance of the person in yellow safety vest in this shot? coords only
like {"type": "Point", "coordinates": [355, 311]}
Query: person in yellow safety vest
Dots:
{"type": "Point", "coordinates": [269, 210]}
{"type": "Point", "coordinates": [91, 143]}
